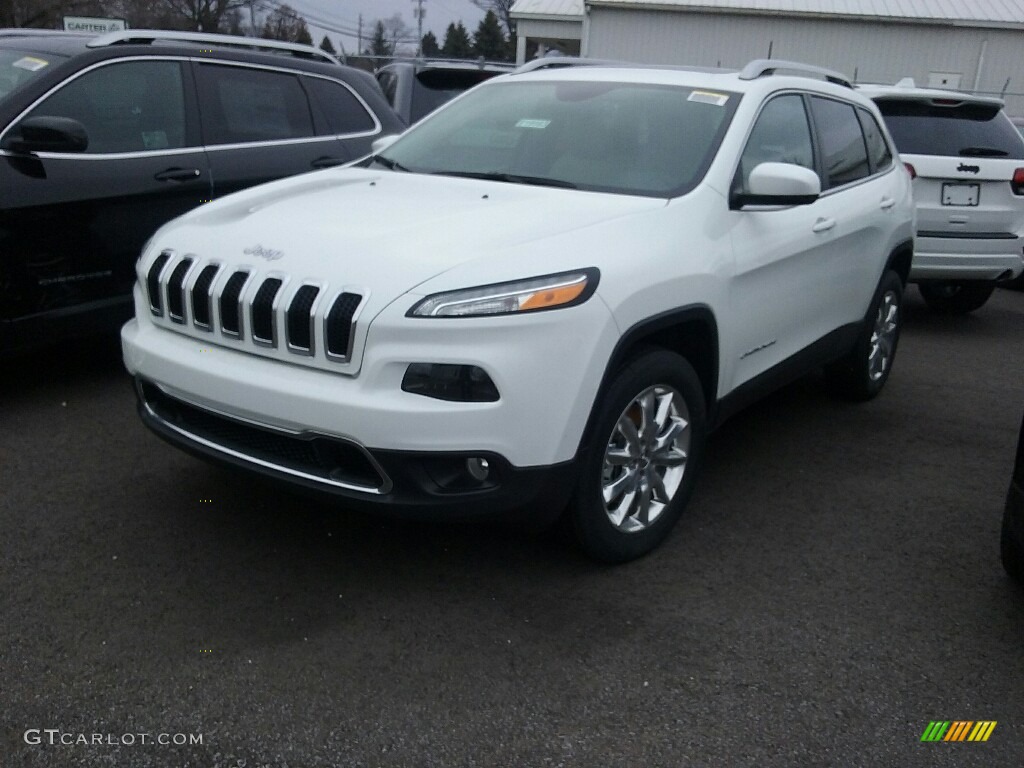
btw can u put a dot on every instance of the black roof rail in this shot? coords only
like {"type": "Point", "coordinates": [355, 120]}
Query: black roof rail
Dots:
{"type": "Point", "coordinates": [761, 67]}
{"type": "Point", "coordinates": [149, 36]}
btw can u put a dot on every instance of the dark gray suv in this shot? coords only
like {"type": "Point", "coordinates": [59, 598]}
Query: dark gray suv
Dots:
{"type": "Point", "coordinates": [104, 139]}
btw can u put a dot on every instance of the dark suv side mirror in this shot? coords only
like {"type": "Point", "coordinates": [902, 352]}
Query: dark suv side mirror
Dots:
{"type": "Point", "coordinates": [47, 134]}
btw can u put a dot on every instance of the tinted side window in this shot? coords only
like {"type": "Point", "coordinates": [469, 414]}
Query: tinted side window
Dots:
{"type": "Point", "coordinates": [842, 143]}
{"type": "Point", "coordinates": [964, 130]}
{"type": "Point", "coordinates": [780, 135]}
{"type": "Point", "coordinates": [878, 150]}
{"type": "Point", "coordinates": [388, 84]}
{"type": "Point", "coordinates": [130, 106]}
{"type": "Point", "coordinates": [345, 113]}
{"type": "Point", "coordinates": [241, 105]}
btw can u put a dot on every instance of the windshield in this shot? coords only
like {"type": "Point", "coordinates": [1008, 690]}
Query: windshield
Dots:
{"type": "Point", "coordinates": [629, 138]}
{"type": "Point", "coordinates": [967, 130]}
{"type": "Point", "coordinates": [433, 87]}
{"type": "Point", "coordinates": [18, 67]}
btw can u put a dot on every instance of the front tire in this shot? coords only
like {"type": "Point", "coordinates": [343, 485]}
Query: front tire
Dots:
{"type": "Point", "coordinates": [638, 472]}
{"type": "Point", "coordinates": [955, 298]}
{"type": "Point", "coordinates": [863, 372]}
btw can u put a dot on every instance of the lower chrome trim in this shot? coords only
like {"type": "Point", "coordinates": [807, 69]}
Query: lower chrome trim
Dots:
{"type": "Point", "coordinates": [386, 483]}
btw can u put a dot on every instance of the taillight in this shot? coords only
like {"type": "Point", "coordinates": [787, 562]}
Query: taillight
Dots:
{"type": "Point", "coordinates": [1017, 183]}
{"type": "Point", "coordinates": [911, 170]}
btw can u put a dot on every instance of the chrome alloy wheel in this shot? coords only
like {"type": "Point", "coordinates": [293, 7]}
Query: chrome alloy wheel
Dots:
{"type": "Point", "coordinates": [645, 459]}
{"type": "Point", "coordinates": [883, 337]}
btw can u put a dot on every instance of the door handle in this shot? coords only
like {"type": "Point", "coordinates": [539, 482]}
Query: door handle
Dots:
{"type": "Point", "coordinates": [823, 225]}
{"type": "Point", "coordinates": [887, 203]}
{"type": "Point", "coordinates": [178, 174]}
{"type": "Point", "coordinates": [327, 162]}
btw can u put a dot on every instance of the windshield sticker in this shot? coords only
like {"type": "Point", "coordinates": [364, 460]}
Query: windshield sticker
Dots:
{"type": "Point", "coordinates": [31, 63]}
{"type": "Point", "coordinates": [536, 124]}
{"type": "Point", "coordinates": [707, 97]}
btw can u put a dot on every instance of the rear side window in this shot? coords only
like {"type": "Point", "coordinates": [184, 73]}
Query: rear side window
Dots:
{"type": "Point", "coordinates": [345, 113]}
{"type": "Point", "coordinates": [842, 143]}
{"type": "Point", "coordinates": [960, 130]}
{"type": "Point", "coordinates": [241, 105]}
{"type": "Point", "coordinates": [878, 150]}
{"type": "Point", "coordinates": [130, 106]}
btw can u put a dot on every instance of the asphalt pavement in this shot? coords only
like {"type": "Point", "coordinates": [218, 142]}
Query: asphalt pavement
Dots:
{"type": "Point", "coordinates": [833, 588]}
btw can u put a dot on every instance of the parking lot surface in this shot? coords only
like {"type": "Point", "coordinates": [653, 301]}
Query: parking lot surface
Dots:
{"type": "Point", "coordinates": [833, 588]}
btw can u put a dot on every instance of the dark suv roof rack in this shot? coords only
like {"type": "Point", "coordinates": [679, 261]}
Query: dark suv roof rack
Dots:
{"type": "Point", "coordinates": [148, 36]}
{"type": "Point", "coordinates": [761, 67]}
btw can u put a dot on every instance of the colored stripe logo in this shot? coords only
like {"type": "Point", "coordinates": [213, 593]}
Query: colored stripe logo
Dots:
{"type": "Point", "coordinates": [958, 730]}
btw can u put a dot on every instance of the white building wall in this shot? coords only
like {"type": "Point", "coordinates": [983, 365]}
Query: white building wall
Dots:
{"type": "Point", "coordinates": [869, 51]}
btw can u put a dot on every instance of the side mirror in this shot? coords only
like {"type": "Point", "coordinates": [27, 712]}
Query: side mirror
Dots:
{"type": "Point", "coordinates": [48, 134]}
{"type": "Point", "coordinates": [379, 145]}
{"type": "Point", "coordinates": [779, 184]}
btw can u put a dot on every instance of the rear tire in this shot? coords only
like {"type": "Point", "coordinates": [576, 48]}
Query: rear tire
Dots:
{"type": "Point", "coordinates": [863, 372]}
{"type": "Point", "coordinates": [955, 298]}
{"type": "Point", "coordinates": [1010, 549]}
{"type": "Point", "coordinates": [637, 474]}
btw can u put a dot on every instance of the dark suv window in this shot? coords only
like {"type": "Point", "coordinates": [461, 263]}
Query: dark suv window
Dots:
{"type": "Point", "coordinates": [130, 106]}
{"type": "Point", "coordinates": [951, 130]}
{"type": "Point", "coordinates": [432, 88]}
{"type": "Point", "coordinates": [842, 141]}
{"type": "Point", "coordinates": [242, 104]}
{"type": "Point", "coordinates": [345, 113]}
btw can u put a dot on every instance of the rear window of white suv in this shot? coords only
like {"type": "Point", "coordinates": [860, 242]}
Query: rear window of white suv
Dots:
{"type": "Point", "coordinates": [951, 130]}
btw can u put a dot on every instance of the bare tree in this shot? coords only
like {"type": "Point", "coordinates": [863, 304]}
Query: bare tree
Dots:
{"type": "Point", "coordinates": [202, 15]}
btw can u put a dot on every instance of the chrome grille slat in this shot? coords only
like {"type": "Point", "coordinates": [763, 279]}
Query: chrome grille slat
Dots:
{"type": "Point", "coordinates": [264, 323]}
{"type": "Point", "coordinates": [230, 308]}
{"type": "Point", "coordinates": [300, 320]}
{"type": "Point", "coordinates": [202, 298]}
{"type": "Point", "coordinates": [339, 328]}
{"type": "Point", "coordinates": [153, 284]}
{"type": "Point", "coordinates": [176, 291]}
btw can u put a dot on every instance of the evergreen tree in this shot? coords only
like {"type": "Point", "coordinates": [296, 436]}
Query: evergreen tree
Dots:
{"type": "Point", "coordinates": [429, 45]}
{"type": "Point", "coordinates": [489, 40]}
{"type": "Point", "coordinates": [379, 45]}
{"type": "Point", "coordinates": [327, 46]}
{"type": "Point", "coordinates": [457, 44]}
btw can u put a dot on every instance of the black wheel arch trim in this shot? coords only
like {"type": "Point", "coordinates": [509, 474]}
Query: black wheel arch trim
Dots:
{"type": "Point", "coordinates": [647, 329]}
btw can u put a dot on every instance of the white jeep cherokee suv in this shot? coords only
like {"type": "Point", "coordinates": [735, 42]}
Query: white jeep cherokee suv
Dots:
{"type": "Point", "coordinates": [541, 298]}
{"type": "Point", "coordinates": [967, 161]}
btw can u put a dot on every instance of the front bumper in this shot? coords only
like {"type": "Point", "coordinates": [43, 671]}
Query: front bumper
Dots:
{"type": "Point", "coordinates": [965, 258]}
{"type": "Point", "coordinates": [400, 483]}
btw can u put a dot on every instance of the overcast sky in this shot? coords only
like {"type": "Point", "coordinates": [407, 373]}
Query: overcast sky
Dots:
{"type": "Point", "coordinates": [335, 17]}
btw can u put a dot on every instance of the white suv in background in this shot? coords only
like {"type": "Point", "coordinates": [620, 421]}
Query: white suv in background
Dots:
{"type": "Point", "coordinates": [540, 298]}
{"type": "Point", "coordinates": [967, 160]}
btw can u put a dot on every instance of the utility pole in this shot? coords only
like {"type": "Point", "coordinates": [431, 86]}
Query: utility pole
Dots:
{"type": "Point", "coordinates": [419, 11]}
{"type": "Point", "coordinates": [360, 49]}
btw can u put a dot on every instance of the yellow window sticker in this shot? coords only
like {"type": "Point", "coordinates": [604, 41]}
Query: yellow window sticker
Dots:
{"type": "Point", "coordinates": [535, 124]}
{"type": "Point", "coordinates": [707, 97]}
{"type": "Point", "coordinates": [31, 63]}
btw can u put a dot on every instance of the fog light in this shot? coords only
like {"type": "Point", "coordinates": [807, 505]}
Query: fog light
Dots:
{"type": "Point", "coordinates": [478, 468]}
{"type": "Point", "coordinates": [459, 383]}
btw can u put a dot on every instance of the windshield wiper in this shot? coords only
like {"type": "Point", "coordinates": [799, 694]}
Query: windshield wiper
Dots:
{"type": "Point", "coordinates": [982, 152]}
{"type": "Point", "coordinates": [391, 165]}
{"type": "Point", "coordinates": [511, 178]}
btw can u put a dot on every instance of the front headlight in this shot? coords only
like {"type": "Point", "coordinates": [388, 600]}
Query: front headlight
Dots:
{"type": "Point", "coordinates": [566, 289]}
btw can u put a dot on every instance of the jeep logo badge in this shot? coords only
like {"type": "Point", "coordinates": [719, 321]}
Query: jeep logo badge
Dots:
{"type": "Point", "coordinates": [264, 253]}
{"type": "Point", "coordinates": [969, 168]}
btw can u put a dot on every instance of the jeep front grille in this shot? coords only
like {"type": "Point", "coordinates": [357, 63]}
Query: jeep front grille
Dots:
{"type": "Point", "coordinates": [317, 323]}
